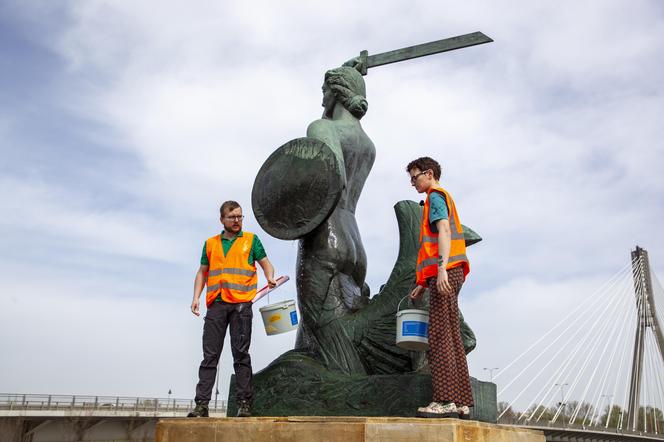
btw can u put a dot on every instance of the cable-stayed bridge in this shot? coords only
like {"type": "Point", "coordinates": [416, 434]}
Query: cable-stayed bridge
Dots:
{"type": "Point", "coordinates": [598, 374]}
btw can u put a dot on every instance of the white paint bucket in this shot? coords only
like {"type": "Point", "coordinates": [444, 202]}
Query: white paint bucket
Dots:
{"type": "Point", "coordinates": [412, 328]}
{"type": "Point", "coordinates": [279, 318]}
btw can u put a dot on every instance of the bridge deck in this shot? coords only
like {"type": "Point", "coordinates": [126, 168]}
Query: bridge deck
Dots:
{"type": "Point", "coordinates": [574, 434]}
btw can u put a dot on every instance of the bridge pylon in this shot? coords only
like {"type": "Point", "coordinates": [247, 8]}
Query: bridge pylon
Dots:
{"type": "Point", "coordinates": [646, 318]}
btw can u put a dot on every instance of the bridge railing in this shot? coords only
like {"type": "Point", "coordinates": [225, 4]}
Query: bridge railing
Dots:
{"type": "Point", "coordinates": [54, 402]}
{"type": "Point", "coordinates": [577, 427]}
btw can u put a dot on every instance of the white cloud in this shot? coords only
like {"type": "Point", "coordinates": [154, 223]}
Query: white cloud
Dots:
{"type": "Point", "coordinates": [50, 212]}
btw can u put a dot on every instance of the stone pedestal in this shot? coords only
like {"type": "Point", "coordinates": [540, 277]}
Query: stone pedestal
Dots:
{"type": "Point", "coordinates": [296, 384]}
{"type": "Point", "coordinates": [342, 429]}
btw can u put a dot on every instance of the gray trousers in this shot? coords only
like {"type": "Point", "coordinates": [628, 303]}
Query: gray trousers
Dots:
{"type": "Point", "coordinates": [238, 317]}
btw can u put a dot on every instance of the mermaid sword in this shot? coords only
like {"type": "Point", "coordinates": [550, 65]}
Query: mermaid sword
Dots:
{"type": "Point", "coordinates": [366, 61]}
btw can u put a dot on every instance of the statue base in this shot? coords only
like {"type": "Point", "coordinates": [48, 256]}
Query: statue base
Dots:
{"type": "Point", "coordinates": [342, 429]}
{"type": "Point", "coordinates": [297, 385]}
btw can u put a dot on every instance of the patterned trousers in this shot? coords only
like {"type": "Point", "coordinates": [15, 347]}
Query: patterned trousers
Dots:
{"type": "Point", "coordinates": [447, 358]}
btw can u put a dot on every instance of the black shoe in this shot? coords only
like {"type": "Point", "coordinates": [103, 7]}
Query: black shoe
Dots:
{"type": "Point", "coordinates": [201, 410]}
{"type": "Point", "coordinates": [244, 409]}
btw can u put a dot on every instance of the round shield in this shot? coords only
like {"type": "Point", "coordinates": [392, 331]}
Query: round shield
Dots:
{"type": "Point", "coordinates": [297, 188]}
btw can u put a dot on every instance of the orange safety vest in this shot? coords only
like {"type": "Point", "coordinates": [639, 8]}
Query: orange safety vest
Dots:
{"type": "Point", "coordinates": [427, 258]}
{"type": "Point", "coordinates": [231, 276]}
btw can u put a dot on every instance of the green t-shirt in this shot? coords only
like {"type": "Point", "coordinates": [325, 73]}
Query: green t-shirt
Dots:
{"type": "Point", "coordinates": [437, 210]}
{"type": "Point", "coordinates": [256, 254]}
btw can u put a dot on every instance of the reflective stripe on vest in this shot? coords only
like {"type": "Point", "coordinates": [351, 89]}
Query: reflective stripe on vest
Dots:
{"type": "Point", "coordinates": [239, 287]}
{"type": "Point", "coordinates": [232, 271]}
{"type": "Point", "coordinates": [427, 258]}
{"type": "Point", "coordinates": [230, 285]}
{"type": "Point", "coordinates": [231, 276]}
{"type": "Point", "coordinates": [454, 234]}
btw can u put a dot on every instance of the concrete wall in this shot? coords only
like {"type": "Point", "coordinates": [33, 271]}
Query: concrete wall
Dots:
{"type": "Point", "coordinates": [69, 429]}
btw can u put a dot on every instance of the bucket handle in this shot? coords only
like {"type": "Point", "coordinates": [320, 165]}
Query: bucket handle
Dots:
{"type": "Point", "coordinates": [399, 305]}
{"type": "Point", "coordinates": [286, 305]}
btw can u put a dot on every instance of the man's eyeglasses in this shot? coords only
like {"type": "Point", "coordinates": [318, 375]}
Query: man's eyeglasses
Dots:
{"type": "Point", "coordinates": [234, 218]}
{"type": "Point", "coordinates": [415, 177]}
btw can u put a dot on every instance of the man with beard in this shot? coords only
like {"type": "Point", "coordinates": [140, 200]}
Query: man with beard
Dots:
{"type": "Point", "coordinates": [228, 269]}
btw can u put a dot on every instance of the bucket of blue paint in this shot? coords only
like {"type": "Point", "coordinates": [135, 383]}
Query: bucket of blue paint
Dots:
{"type": "Point", "coordinates": [280, 317]}
{"type": "Point", "coordinates": [412, 328]}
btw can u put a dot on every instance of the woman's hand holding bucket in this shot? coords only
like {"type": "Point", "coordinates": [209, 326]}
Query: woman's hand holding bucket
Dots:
{"type": "Point", "coordinates": [417, 292]}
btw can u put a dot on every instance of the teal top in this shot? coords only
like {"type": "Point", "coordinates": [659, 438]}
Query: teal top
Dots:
{"type": "Point", "coordinates": [256, 254]}
{"type": "Point", "coordinates": [437, 210]}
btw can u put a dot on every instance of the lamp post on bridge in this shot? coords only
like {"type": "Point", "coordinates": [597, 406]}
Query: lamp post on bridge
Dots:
{"type": "Point", "coordinates": [562, 398]}
{"type": "Point", "coordinates": [216, 386]}
{"type": "Point", "coordinates": [491, 370]}
{"type": "Point", "coordinates": [169, 398]}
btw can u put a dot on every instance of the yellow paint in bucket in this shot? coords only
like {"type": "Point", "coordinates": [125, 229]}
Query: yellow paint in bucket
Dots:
{"type": "Point", "coordinates": [280, 317]}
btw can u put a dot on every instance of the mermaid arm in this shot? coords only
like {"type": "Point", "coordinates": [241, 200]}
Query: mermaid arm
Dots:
{"type": "Point", "coordinates": [324, 131]}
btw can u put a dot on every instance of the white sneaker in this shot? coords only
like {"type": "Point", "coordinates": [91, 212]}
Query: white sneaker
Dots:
{"type": "Point", "coordinates": [436, 410]}
{"type": "Point", "coordinates": [464, 412]}
{"type": "Point", "coordinates": [428, 407]}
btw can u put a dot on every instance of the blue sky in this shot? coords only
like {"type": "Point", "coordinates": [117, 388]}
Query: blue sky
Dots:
{"type": "Point", "coordinates": [123, 127]}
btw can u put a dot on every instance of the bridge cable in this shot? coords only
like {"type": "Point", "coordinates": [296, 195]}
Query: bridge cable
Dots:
{"type": "Point", "coordinates": [656, 383]}
{"type": "Point", "coordinates": [590, 341]}
{"type": "Point", "coordinates": [587, 318]}
{"type": "Point", "coordinates": [579, 345]}
{"type": "Point", "coordinates": [591, 333]}
{"type": "Point", "coordinates": [619, 331]}
{"type": "Point", "coordinates": [650, 386]}
{"type": "Point", "coordinates": [571, 337]}
{"type": "Point", "coordinates": [647, 380]}
{"type": "Point", "coordinates": [589, 308]}
{"type": "Point", "coordinates": [652, 380]}
{"type": "Point", "coordinates": [650, 376]}
{"type": "Point", "coordinates": [659, 354]}
{"type": "Point", "coordinates": [589, 305]}
{"type": "Point", "coordinates": [594, 404]}
{"type": "Point", "coordinates": [587, 300]}
{"type": "Point", "coordinates": [597, 336]}
{"type": "Point", "coordinates": [660, 371]}
{"type": "Point", "coordinates": [627, 331]}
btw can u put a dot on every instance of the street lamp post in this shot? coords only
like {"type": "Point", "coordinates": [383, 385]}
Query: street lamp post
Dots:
{"type": "Point", "coordinates": [169, 398]}
{"type": "Point", "coordinates": [216, 386]}
{"type": "Point", "coordinates": [491, 370]}
{"type": "Point", "coordinates": [562, 398]}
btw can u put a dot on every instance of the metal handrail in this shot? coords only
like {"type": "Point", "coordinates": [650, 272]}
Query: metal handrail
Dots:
{"type": "Point", "coordinates": [579, 427]}
{"type": "Point", "coordinates": [52, 402]}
